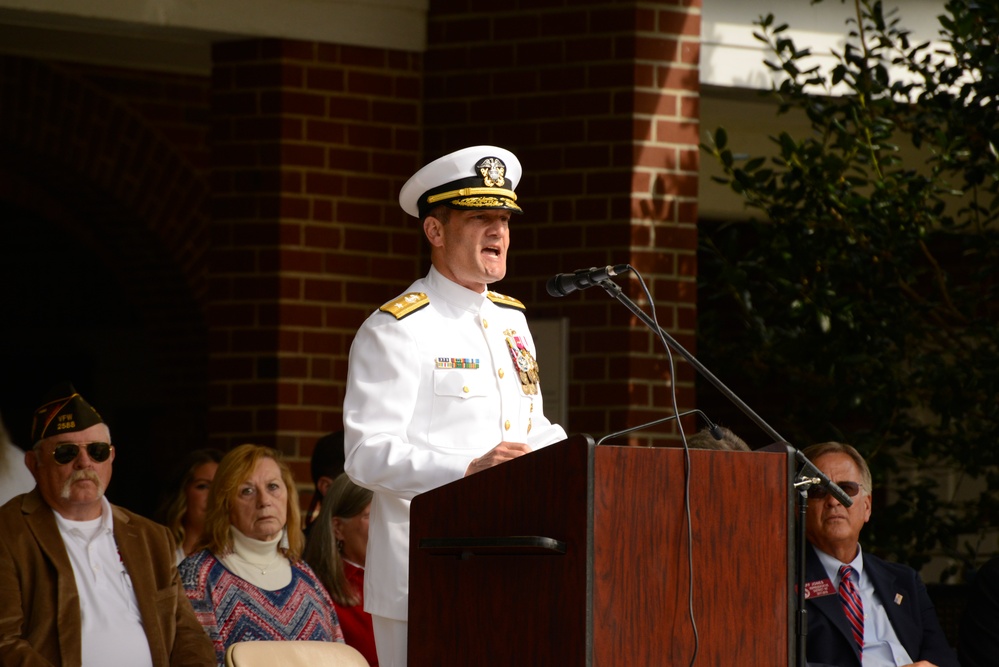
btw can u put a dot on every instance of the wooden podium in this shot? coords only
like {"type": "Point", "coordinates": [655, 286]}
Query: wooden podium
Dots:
{"type": "Point", "coordinates": [578, 555]}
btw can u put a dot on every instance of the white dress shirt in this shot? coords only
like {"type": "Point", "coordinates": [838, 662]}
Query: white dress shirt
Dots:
{"type": "Point", "coordinates": [112, 632]}
{"type": "Point", "coordinates": [881, 645]}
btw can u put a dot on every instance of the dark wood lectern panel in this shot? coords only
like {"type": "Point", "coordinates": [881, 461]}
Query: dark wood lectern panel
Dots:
{"type": "Point", "coordinates": [642, 568]}
{"type": "Point", "coordinates": [485, 605]}
{"type": "Point", "coordinates": [577, 555]}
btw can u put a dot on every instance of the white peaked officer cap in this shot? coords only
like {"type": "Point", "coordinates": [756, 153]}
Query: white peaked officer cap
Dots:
{"type": "Point", "coordinates": [477, 177]}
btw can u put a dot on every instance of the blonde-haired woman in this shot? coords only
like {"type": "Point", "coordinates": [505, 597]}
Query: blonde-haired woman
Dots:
{"type": "Point", "coordinates": [248, 581]}
{"type": "Point", "coordinates": [185, 510]}
{"type": "Point", "coordinates": [337, 548]}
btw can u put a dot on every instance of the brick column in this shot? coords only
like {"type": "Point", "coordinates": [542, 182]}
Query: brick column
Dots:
{"type": "Point", "coordinates": [599, 100]}
{"type": "Point", "coordinates": [311, 144]}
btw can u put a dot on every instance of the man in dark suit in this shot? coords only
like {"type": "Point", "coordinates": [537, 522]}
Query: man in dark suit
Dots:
{"type": "Point", "coordinates": [861, 609]}
{"type": "Point", "coordinates": [83, 582]}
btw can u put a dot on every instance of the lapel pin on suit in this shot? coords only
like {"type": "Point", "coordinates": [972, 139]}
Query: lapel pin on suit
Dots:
{"type": "Point", "coordinates": [898, 598]}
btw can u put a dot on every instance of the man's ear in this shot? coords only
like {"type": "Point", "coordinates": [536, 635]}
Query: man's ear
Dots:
{"type": "Point", "coordinates": [31, 461]}
{"type": "Point", "coordinates": [434, 229]}
{"type": "Point", "coordinates": [323, 484]}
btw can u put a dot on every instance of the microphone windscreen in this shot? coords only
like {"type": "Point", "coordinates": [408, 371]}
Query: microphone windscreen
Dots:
{"type": "Point", "coordinates": [554, 288]}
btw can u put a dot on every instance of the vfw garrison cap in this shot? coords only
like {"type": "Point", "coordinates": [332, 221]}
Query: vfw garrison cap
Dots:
{"type": "Point", "coordinates": [63, 410]}
{"type": "Point", "coordinates": [477, 177]}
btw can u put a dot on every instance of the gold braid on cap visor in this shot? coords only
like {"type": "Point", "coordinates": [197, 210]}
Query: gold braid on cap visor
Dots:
{"type": "Point", "coordinates": [464, 192]}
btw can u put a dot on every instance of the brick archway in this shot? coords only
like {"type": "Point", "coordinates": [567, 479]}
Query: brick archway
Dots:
{"type": "Point", "coordinates": [54, 122]}
{"type": "Point", "coordinates": [89, 187]}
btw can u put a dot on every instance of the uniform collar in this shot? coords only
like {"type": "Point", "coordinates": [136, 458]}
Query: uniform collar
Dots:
{"type": "Point", "coordinates": [453, 293]}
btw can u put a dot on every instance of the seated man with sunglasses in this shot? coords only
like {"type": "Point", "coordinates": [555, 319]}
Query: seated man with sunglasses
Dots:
{"type": "Point", "coordinates": [83, 582]}
{"type": "Point", "coordinates": [861, 609]}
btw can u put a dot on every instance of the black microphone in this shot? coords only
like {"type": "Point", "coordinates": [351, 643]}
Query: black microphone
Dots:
{"type": "Point", "coordinates": [566, 283]}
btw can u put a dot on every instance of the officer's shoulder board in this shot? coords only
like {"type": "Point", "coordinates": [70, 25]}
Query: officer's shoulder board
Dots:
{"type": "Point", "coordinates": [407, 304]}
{"type": "Point", "coordinates": [505, 301]}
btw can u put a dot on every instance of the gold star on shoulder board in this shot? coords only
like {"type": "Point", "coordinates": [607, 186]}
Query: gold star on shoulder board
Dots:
{"type": "Point", "coordinates": [405, 305]}
{"type": "Point", "coordinates": [506, 301]}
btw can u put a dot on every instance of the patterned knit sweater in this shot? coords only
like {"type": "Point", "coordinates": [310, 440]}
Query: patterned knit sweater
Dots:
{"type": "Point", "coordinates": [232, 609]}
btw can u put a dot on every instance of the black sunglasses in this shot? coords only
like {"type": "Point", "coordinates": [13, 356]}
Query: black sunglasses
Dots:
{"type": "Point", "coordinates": [849, 488]}
{"type": "Point", "coordinates": [67, 452]}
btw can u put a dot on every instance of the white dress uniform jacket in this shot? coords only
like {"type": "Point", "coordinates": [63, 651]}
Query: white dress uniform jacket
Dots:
{"type": "Point", "coordinates": [432, 383]}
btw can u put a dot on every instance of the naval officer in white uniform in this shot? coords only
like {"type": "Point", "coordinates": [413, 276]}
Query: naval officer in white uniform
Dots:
{"type": "Point", "coordinates": [442, 381]}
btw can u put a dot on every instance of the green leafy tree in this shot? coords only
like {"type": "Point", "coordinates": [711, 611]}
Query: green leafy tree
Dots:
{"type": "Point", "coordinates": [864, 299]}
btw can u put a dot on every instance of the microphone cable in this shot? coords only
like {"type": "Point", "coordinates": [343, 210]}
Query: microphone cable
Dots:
{"type": "Point", "coordinates": [686, 464]}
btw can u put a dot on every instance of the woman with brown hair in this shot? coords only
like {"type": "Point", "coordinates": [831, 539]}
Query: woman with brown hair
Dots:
{"type": "Point", "coordinates": [337, 548]}
{"type": "Point", "coordinates": [248, 581]}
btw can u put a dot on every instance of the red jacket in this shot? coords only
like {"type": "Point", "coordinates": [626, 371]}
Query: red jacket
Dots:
{"type": "Point", "coordinates": [354, 621]}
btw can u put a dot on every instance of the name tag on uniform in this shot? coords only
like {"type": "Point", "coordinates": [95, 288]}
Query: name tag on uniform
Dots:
{"type": "Point", "coordinates": [818, 589]}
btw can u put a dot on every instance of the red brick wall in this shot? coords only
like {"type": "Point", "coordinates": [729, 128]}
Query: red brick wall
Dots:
{"type": "Point", "coordinates": [599, 101]}
{"type": "Point", "coordinates": [252, 215]}
{"type": "Point", "coordinates": [311, 144]}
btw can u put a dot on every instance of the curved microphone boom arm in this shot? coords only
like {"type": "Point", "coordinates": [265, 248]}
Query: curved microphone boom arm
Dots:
{"type": "Point", "coordinates": [712, 427]}
{"type": "Point", "coordinates": [808, 468]}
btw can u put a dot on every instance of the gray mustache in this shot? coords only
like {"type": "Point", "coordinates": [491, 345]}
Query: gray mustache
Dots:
{"type": "Point", "coordinates": [79, 475]}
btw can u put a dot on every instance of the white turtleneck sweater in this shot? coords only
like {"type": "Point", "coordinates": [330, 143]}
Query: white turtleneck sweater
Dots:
{"type": "Point", "coordinates": [260, 563]}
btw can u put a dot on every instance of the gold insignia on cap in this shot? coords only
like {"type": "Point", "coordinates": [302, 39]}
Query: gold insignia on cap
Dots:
{"type": "Point", "coordinates": [465, 192]}
{"type": "Point", "coordinates": [407, 304]}
{"type": "Point", "coordinates": [493, 171]}
{"type": "Point", "coordinates": [64, 411]}
{"type": "Point", "coordinates": [503, 300]}
{"type": "Point", "coordinates": [485, 202]}
{"type": "Point", "coordinates": [475, 172]}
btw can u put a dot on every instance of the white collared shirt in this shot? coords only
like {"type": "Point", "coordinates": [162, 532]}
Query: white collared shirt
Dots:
{"type": "Point", "coordinates": [881, 645]}
{"type": "Point", "coordinates": [112, 632]}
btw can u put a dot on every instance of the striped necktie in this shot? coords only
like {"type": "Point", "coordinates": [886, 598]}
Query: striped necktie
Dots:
{"type": "Point", "coordinates": [852, 605]}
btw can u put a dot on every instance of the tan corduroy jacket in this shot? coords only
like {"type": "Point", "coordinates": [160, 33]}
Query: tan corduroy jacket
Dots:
{"type": "Point", "coordinates": [39, 605]}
